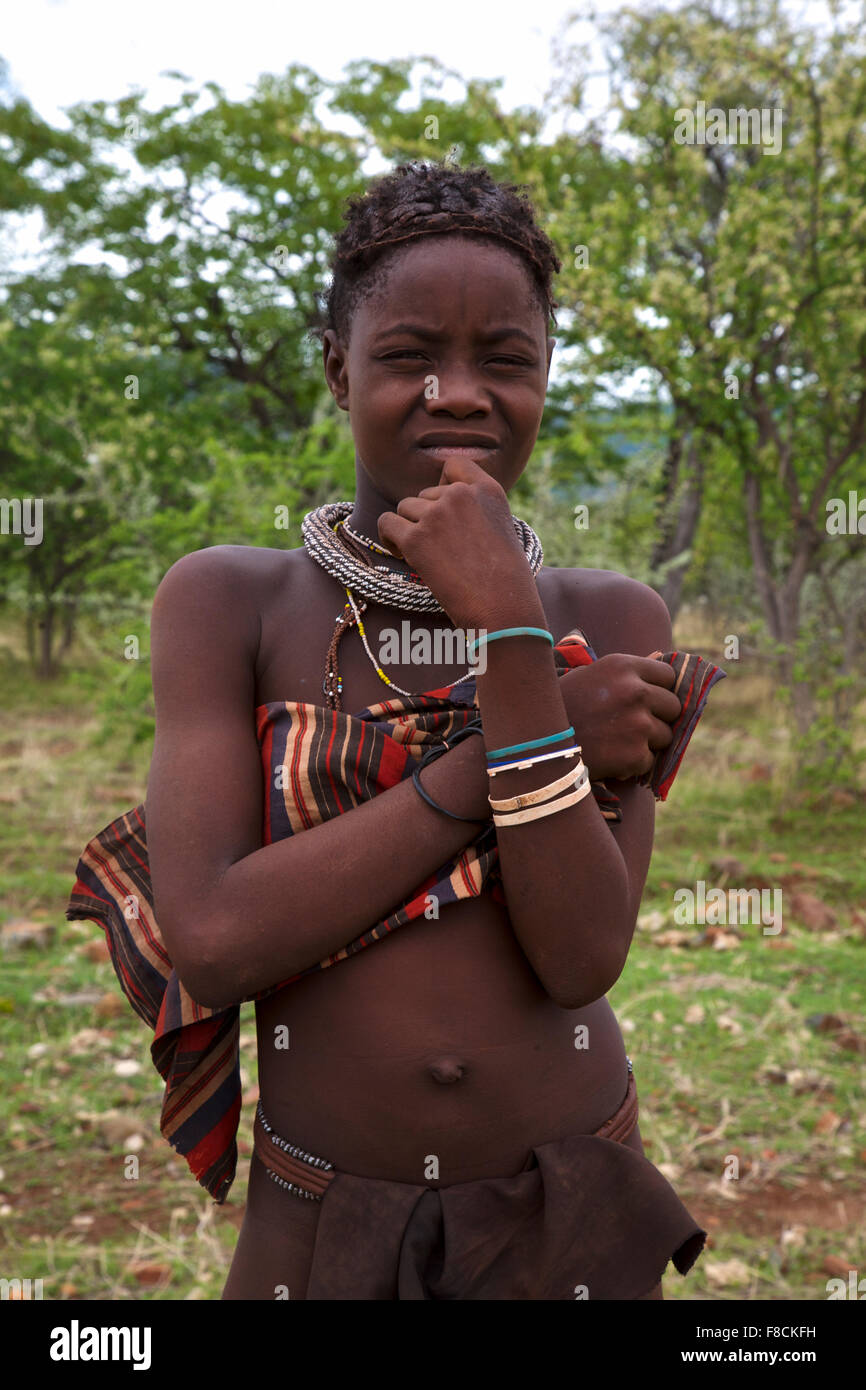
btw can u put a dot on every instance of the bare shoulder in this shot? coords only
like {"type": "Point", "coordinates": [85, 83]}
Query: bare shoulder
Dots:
{"type": "Point", "coordinates": [236, 580]}
{"type": "Point", "coordinates": [246, 565]}
{"type": "Point", "coordinates": [617, 613]}
{"type": "Point", "coordinates": [210, 607]}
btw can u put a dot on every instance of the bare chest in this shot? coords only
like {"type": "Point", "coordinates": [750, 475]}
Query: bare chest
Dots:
{"type": "Point", "coordinates": [416, 651]}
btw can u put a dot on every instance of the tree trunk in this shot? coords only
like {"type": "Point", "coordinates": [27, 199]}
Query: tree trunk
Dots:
{"type": "Point", "coordinates": [802, 702]}
{"type": "Point", "coordinates": [47, 668]}
{"type": "Point", "coordinates": [781, 606]}
{"type": "Point", "coordinates": [69, 616]}
{"type": "Point", "coordinates": [682, 535]}
{"type": "Point", "coordinates": [31, 633]}
{"type": "Point", "coordinates": [670, 478]}
{"type": "Point", "coordinates": [760, 556]}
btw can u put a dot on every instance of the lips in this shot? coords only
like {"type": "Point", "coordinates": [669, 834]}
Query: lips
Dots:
{"type": "Point", "coordinates": [441, 452]}
{"type": "Point", "coordinates": [457, 441]}
{"type": "Point", "coordinates": [469, 446]}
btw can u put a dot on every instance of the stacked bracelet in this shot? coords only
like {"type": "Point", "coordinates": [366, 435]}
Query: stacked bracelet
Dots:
{"type": "Point", "coordinates": [550, 808]}
{"type": "Point", "coordinates": [543, 800]}
{"type": "Point", "coordinates": [517, 803]}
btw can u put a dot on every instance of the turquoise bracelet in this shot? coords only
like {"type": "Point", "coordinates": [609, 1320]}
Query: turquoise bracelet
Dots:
{"type": "Point", "coordinates": [518, 632]}
{"type": "Point", "coordinates": [533, 743]}
{"type": "Point", "coordinates": [472, 647]}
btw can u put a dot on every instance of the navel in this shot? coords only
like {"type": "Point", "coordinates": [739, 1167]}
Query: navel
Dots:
{"type": "Point", "coordinates": [446, 1070]}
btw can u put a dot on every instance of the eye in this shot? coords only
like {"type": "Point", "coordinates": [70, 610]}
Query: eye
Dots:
{"type": "Point", "coordinates": [404, 353]}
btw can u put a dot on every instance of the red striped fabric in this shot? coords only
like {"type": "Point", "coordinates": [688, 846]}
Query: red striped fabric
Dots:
{"type": "Point", "coordinates": [317, 763]}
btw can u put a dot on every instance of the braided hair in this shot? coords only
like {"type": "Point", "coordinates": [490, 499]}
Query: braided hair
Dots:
{"type": "Point", "coordinates": [415, 200]}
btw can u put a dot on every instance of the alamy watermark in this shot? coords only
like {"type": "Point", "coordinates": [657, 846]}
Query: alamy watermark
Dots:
{"type": "Point", "coordinates": [19, 511]}
{"type": "Point", "coordinates": [24, 1289]}
{"type": "Point", "coordinates": [444, 646]}
{"type": "Point", "coordinates": [735, 906]}
{"type": "Point", "coordinates": [739, 126]}
{"type": "Point", "coordinates": [855, 1288]}
{"type": "Point", "coordinates": [846, 518]}
{"type": "Point", "coordinates": [77, 1343]}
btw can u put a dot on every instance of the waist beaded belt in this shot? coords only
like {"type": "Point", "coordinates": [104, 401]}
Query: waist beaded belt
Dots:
{"type": "Point", "coordinates": [290, 1167]}
{"type": "Point", "coordinates": [305, 1175]}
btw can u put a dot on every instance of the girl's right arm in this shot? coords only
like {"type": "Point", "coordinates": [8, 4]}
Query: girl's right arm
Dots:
{"type": "Point", "coordinates": [238, 917]}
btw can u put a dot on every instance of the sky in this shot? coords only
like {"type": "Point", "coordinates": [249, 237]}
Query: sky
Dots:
{"type": "Point", "coordinates": [63, 51]}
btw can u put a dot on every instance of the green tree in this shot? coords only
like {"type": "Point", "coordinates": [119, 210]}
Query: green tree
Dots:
{"type": "Point", "coordinates": [738, 276]}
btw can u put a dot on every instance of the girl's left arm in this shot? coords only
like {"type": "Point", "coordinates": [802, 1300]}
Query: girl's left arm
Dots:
{"type": "Point", "coordinates": [572, 882]}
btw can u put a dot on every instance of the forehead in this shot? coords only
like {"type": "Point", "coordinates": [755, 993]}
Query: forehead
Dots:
{"type": "Point", "coordinates": [448, 276]}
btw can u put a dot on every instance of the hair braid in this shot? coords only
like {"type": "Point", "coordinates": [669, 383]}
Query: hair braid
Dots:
{"type": "Point", "coordinates": [417, 200]}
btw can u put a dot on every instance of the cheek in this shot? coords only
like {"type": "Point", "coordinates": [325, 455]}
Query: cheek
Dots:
{"type": "Point", "coordinates": [379, 399]}
{"type": "Point", "coordinates": [530, 400]}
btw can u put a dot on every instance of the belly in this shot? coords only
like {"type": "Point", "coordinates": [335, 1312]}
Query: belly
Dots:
{"type": "Point", "coordinates": [438, 1042]}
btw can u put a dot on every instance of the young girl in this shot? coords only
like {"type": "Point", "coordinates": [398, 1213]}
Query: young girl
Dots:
{"type": "Point", "coordinates": [447, 1111]}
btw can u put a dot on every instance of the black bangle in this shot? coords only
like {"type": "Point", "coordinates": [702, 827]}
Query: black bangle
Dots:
{"type": "Point", "coordinates": [473, 727]}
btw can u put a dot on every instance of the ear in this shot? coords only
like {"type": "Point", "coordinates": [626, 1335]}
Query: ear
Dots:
{"type": "Point", "coordinates": [335, 367]}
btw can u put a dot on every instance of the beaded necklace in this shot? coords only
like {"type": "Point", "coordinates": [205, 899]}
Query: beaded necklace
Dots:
{"type": "Point", "coordinates": [370, 545]}
{"type": "Point", "coordinates": [343, 554]}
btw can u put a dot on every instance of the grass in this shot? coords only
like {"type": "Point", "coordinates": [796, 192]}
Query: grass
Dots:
{"type": "Point", "coordinates": [733, 1075]}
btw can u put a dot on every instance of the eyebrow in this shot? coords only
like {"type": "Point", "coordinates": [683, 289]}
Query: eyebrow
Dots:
{"type": "Point", "coordinates": [433, 335]}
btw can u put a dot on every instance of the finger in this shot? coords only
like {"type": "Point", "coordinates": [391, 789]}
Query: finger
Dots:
{"type": "Point", "coordinates": [648, 766]}
{"type": "Point", "coordinates": [413, 508]}
{"type": "Point", "coordinates": [457, 468]}
{"type": "Point", "coordinates": [654, 671]}
{"type": "Point", "coordinates": [660, 735]}
{"type": "Point", "coordinates": [664, 704]}
{"type": "Point", "coordinates": [394, 533]}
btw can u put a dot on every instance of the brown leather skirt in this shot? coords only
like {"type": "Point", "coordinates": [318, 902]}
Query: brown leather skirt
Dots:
{"type": "Point", "coordinates": [588, 1217]}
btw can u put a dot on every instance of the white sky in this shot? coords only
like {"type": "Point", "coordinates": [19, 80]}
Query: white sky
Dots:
{"type": "Point", "coordinates": [63, 51]}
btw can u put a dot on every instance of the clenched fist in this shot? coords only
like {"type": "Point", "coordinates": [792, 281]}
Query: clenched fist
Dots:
{"type": "Point", "coordinates": [622, 708]}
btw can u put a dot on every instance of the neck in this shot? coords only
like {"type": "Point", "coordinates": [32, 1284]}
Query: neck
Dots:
{"type": "Point", "coordinates": [363, 519]}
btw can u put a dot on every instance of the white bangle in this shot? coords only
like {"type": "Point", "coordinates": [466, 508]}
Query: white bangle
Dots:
{"type": "Point", "coordinates": [548, 809]}
{"type": "Point", "coordinates": [517, 803]}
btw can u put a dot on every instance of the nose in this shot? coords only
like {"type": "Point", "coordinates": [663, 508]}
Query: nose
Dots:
{"type": "Point", "coordinates": [456, 389]}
